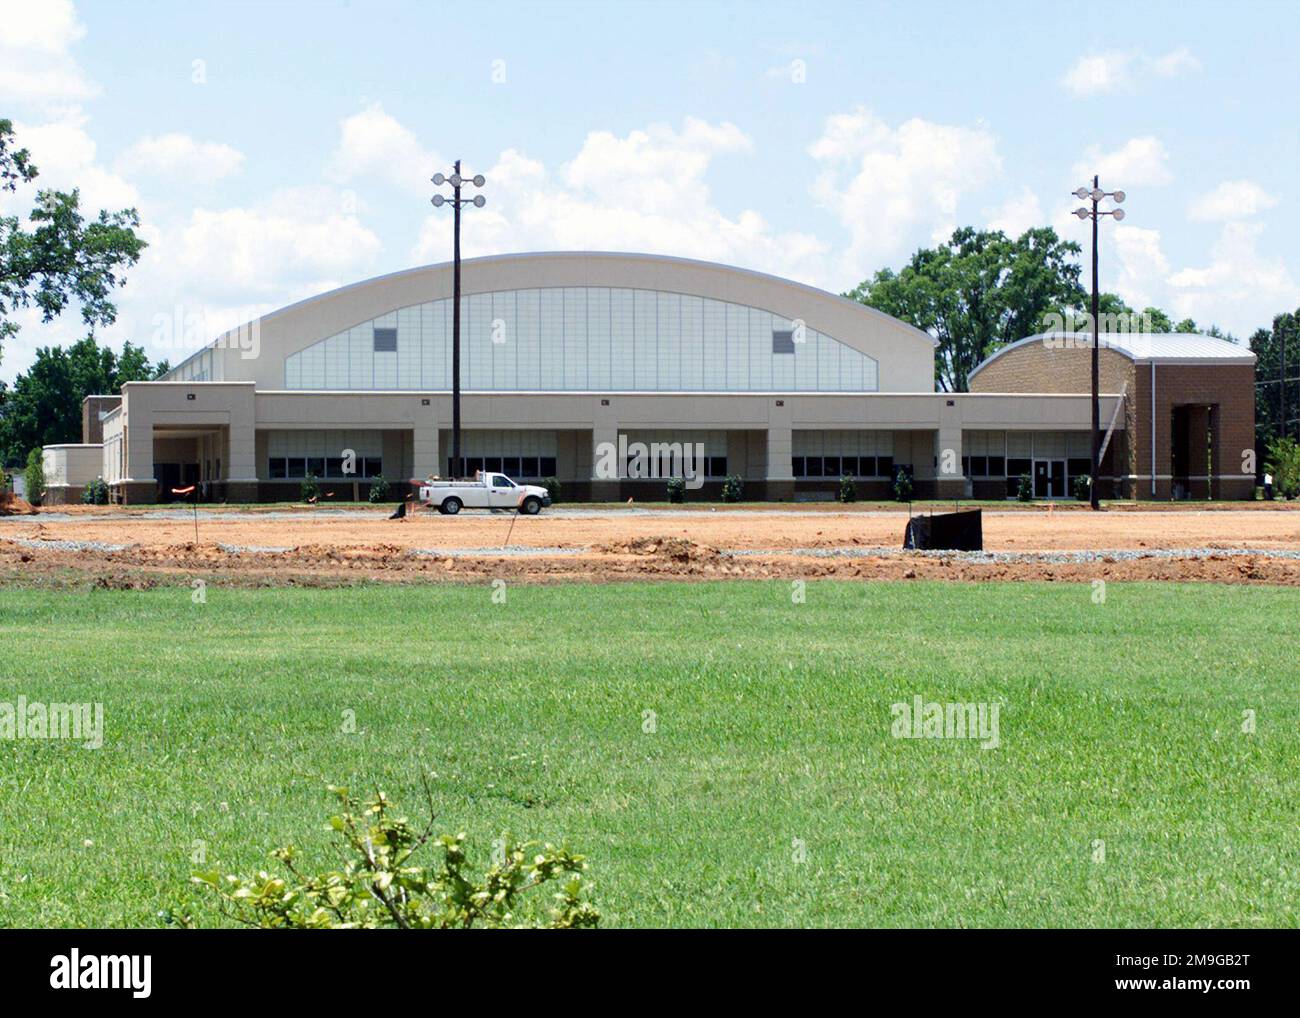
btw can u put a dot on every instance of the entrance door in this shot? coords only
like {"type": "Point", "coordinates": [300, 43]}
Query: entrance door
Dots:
{"type": "Point", "coordinates": [1049, 478]}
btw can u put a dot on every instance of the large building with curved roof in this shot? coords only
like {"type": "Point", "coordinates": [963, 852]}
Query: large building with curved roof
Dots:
{"type": "Point", "coordinates": [564, 356]}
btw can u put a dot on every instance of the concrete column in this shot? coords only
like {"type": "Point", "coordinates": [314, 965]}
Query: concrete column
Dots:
{"type": "Point", "coordinates": [425, 448]}
{"type": "Point", "coordinates": [780, 448]}
{"type": "Point", "coordinates": [604, 429]}
{"type": "Point", "coordinates": [950, 479]}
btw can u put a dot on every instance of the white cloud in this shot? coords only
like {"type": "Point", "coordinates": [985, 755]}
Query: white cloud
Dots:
{"type": "Point", "coordinates": [892, 186]}
{"type": "Point", "coordinates": [1143, 266]}
{"type": "Point", "coordinates": [374, 145]}
{"type": "Point", "coordinates": [67, 157]}
{"type": "Point", "coordinates": [180, 156]}
{"type": "Point", "coordinates": [1240, 287]}
{"type": "Point", "coordinates": [1017, 214]}
{"type": "Point", "coordinates": [1138, 162]}
{"type": "Point", "coordinates": [36, 62]}
{"type": "Point", "coordinates": [1122, 70]}
{"type": "Point", "coordinates": [645, 191]}
{"type": "Point", "coordinates": [1233, 199]}
{"type": "Point", "coordinates": [1174, 63]}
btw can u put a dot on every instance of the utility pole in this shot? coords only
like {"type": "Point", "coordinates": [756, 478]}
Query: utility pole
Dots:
{"type": "Point", "coordinates": [1096, 195]}
{"type": "Point", "coordinates": [456, 201]}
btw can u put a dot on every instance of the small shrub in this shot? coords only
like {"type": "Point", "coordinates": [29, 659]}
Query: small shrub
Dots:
{"type": "Point", "coordinates": [848, 490]}
{"type": "Point", "coordinates": [676, 490]}
{"type": "Point", "coordinates": [1082, 488]}
{"type": "Point", "coordinates": [1283, 463]}
{"type": "Point", "coordinates": [95, 493]}
{"type": "Point", "coordinates": [733, 488]}
{"type": "Point", "coordinates": [1025, 493]}
{"type": "Point", "coordinates": [34, 476]}
{"type": "Point", "coordinates": [378, 489]}
{"type": "Point", "coordinates": [553, 487]}
{"type": "Point", "coordinates": [309, 489]}
{"type": "Point", "coordinates": [382, 883]}
{"type": "Point", "coordinates": [903, 486]}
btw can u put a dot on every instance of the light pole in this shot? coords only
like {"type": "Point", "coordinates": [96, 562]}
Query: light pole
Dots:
{"type": "Point", "coordinates": [1095, 213]}
{"type": "Point", "coordinates": [456, 201]}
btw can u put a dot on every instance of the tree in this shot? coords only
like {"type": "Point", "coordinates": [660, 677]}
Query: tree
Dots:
{"type": "Point", "coordinates": [44, 406]}
{"type": "Point", "coordinates": [1266, 345]}
{"type": "Point", "coordinates": [978, 291]}
{"type": "Point", "coordinates": [62, 259]}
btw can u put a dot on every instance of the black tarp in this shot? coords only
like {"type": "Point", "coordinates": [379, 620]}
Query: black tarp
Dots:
{"type": "Point", "coordinates": [961, 531]}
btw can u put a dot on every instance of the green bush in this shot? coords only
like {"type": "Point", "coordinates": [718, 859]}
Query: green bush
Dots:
{"type": "Point", "coordinates": [1083, 488]}
{"type": "Point", "coordinates": [309, 489]}
{"type": "Point", "coordinates": [378, 489]}
{"type": "Point", "coordinates": [553, 487]}
{"type": "Point", "coordinates": [34, 476]}
{"type": "Point", "coordinates": [676, 490]}
{"type": "Point", "coordinates": [848, 490]}
{"type": "Point", "coordinates": [1025, 493]}
{"type": "Point", "coordinates": [382, 884]}
{"type": "Point", "coordinates": [903, 487]}
{"type": "Point", "coordinates": [95, 493]}
{"type": "Point", "coordinates": [733, 488]}
{"type": "Point", "coordinates": [1283, 463]}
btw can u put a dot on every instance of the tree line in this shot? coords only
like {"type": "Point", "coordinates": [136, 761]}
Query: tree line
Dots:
{"type": "Point", "coordinates": [983, 289]}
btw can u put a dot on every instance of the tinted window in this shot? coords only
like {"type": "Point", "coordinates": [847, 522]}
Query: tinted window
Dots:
{"type": "Point", "coordinates": [385, 340]}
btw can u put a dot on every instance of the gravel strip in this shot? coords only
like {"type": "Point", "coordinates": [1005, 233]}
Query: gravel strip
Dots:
{"type": "Point", "coordinates": [54, 545]}
{"type": "Point", "coordinates": [1050, 557]}
{"type": "Point", "coordinates": [512, 551]}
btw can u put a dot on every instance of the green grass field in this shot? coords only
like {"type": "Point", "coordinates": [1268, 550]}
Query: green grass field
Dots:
{"type": "Point", "coordinates": [1120, 722]}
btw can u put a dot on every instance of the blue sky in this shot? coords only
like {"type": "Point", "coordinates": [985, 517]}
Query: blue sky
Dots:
{"type": "Point", "coordinates": [279, 149]}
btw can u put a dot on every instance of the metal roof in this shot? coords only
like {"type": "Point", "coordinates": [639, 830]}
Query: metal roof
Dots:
{"type": "Point", "coordinates": [1144, 347]}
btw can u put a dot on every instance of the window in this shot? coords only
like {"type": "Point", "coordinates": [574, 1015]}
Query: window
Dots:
{"type": "Point", "coordinates": [501, 481]}
{"type": "Point", "coordinates": [814, 466]}
{"type": "Point", "coordinates": [849, 466]}
{"type": "Point", "coordinates": [997, 466]}
{"type": "Point", "coordinates": [385, 340]}
{"type": "Point", "coordinates": [371, 466]}
{"type": "Point", "coordinates": [297, 466]}
{"type": "Point", "coordinates": [715, 466]}
{"type": "Point", "coordinates": [1079, 467]}
{"type": "Point", "coordinates": [492, 463]}
{"type": "Point", "coordinates": [798, 467]}
{"type": "Point", "coordinates": [527, 467]}
{"type": "Point", "coordinates": [546, 466]}
{"type": "Point", "coordinates": [334, 466]}
{"type": "Point", "coordinates": [782, 341]}
{"type": "Point", "coordinates": [884, 466]}
{"type": "Point", "coordinates": [979, 466]}
{"type": "Point", "coordinates": [316, 466]}
{"type": "Point", "coordinates": [278, 467]}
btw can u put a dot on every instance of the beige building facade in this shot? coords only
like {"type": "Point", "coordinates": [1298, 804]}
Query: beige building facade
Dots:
{"type": "Point", "coordinates": [564, 356]}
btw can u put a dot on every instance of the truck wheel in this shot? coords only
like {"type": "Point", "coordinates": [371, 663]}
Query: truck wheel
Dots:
{"type": "Point", "coordinates": [451, 506]}
{"type": "Point", "coordinates": [531, 506]}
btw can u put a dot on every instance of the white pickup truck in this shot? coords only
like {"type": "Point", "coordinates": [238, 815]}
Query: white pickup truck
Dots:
{"type": "Point", "coordinates": [488, 490]}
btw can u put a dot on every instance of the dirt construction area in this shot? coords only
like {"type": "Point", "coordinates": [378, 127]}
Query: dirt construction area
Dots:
{"type": "Point", "coordinates": [303, 545]}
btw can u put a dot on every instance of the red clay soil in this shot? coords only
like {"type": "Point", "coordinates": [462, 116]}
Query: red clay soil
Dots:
{"type": "Point", "coordinates": [685, 544]}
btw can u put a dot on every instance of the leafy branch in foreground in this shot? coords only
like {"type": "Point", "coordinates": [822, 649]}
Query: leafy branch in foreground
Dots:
{"type": "Point", "coordinates": [382, 885]}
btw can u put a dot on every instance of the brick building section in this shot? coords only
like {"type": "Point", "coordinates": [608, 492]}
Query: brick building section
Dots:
{"type": "Point", "coordinates": [92, 425]}
{"type": "Point", "coordinates": [1219, 402]}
